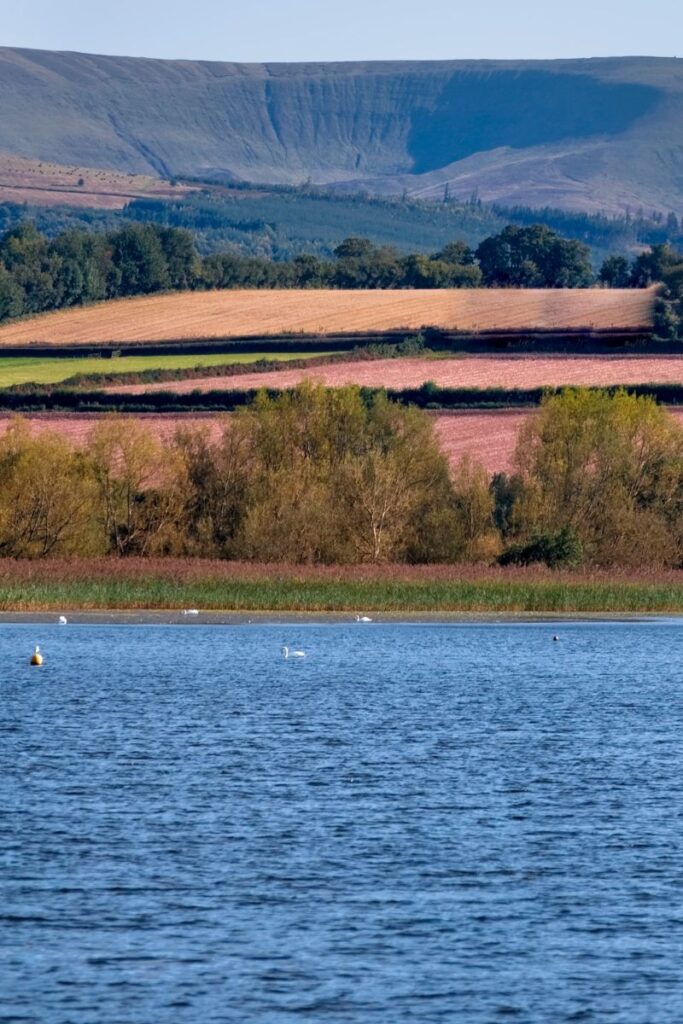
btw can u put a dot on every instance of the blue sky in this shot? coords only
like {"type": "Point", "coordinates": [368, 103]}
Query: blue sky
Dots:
{"type": "Point", "coordinates": [291, 30]}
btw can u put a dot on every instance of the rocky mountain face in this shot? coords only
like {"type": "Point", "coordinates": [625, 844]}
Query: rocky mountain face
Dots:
{"type": "Point", "coordinates": [599, 134]}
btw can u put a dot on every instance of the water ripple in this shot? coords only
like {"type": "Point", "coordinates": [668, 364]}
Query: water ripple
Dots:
{"type": "Point", "coordinates": [415, 823]}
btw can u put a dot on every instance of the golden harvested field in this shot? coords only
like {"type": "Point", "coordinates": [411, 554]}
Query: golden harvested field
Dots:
{"type": "Point", "coordinates": [41, 183]}
{"type": "Point", "coordinates": [463, 372]}
{"type": "Point", "coordinates": [487, 436]}
{"type": "Point", "coordinates": [239, 313]}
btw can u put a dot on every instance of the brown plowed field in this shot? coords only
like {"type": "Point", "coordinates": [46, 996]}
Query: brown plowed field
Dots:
{"type": "Point", "coordinates": [233, 313]}
{"type": "Point", "coordinates": [488, 437]}
{"type": "Point", "coordinates": [464, 372]}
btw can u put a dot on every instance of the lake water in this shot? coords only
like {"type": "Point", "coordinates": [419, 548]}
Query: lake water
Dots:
{"type": "Point", "coordinates": [415, 823]}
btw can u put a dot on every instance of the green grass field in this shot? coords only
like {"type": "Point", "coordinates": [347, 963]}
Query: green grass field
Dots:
{"type": "Point", "coordinates": [53, 369]}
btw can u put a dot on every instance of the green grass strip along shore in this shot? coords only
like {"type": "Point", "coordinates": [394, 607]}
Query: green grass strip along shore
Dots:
{"type": "Point", "coordinates": [287, 593]}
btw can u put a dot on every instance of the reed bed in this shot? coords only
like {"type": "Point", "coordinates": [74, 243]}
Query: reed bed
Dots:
{"type": "Point", "coordinates": [138, 584]}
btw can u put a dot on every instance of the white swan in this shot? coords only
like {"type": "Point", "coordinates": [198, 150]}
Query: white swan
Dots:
{"type": "Point", "coordinates": [62, 620]}
{"type": "Point", "coordinates": [286, 653]}
{"type": "Point", "coordinates": [363, 618]}
{"type": "Point", "coordinates": [191, 611]}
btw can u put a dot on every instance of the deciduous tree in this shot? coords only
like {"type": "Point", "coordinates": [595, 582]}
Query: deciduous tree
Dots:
{"type": "Point", "coordinates": [47, 494]}
{"type": "Point", "coordinates": [140, 488]}
{"type": "Point", "coordinates": [610, 467]}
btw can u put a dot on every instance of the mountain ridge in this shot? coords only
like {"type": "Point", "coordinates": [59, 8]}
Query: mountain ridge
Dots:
{"type": "Point", "coordinates": [588, 134]}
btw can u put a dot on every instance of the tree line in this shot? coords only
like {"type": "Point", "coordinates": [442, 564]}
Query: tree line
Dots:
{"type": "Point", "coordinates": [613, 232]}
{"type": "Point", "coordinates": [38, 274]}
{"type": "Point", "coordinates": [663, 264]}
{"type": "Point", "coordinates": [333, 476]}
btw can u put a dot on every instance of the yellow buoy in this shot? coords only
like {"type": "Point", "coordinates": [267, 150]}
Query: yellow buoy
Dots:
{"type": "Point", "coordinates": [36, 657]}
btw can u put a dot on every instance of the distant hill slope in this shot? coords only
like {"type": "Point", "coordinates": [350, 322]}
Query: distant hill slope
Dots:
{"type": "Point", "coordinates": [582, 134]}
{"type": "Point", "coordinates": [42, 183]}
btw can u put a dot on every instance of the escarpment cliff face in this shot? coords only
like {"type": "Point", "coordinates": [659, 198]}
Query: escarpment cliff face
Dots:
{"type": "Point", "coordinates": [586, 134]}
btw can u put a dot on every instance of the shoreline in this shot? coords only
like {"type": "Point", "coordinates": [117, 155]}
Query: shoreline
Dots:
{"type": "Point", "coordinates": [166, 617]}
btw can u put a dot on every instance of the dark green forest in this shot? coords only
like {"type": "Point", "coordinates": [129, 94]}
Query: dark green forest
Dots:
{"type": "Point", "coordinates": [282, 222]}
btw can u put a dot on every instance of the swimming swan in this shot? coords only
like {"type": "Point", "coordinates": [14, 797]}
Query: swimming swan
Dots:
{"type": "Point", "coordinates": [62, 620]}
{"type": "Point", "coordinates": [286, 653]}
{"type": "Point", "coordinates": [363, 618]}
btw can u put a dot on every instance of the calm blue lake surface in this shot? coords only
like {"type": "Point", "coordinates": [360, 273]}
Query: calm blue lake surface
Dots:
{"type": "Point", "coordinates": [415, 823]}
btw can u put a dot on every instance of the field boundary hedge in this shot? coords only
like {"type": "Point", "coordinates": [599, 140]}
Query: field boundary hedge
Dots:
{"type": "Point", "coordinates": [427, 396]}
{"type": "Point", "coordinates": [199, 372]}
{"type": "Point", "coordinates": [574, 340]}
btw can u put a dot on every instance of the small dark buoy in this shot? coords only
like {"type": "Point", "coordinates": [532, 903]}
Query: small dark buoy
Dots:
{"type": "Point", "coordinates": [555, 638]}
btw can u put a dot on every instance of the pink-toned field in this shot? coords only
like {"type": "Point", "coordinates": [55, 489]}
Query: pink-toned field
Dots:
{"type": "Point", "coordinates": [77, 427]}
{"type": "Point", "coordinates": [235, 313]}
{"type": "Point", "coordinates": [487, 436]}
{"type": "Point", "coordinates": [465, 372]}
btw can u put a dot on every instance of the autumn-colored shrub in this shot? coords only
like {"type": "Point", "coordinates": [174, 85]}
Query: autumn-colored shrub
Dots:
{"type": "Point", "coordinates": [609, 468]}
{"type": "Point", "coordinates": [319, 476]}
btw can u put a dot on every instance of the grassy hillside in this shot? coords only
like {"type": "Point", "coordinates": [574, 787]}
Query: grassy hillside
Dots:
{"type": "Point", "coordinates": [42, 183]}
{"type": "Point", "coordinates": [582, 134]}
